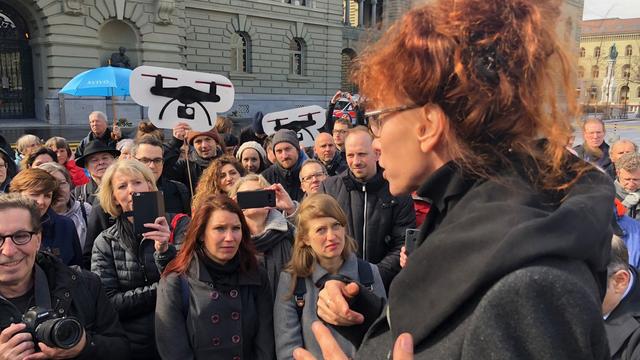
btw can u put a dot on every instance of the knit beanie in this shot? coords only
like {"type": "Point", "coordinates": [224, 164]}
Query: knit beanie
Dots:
{"type": "Point", "coordinates": [192, 135]}
{"type": "Point", "coordinates": [285, 135]}
{"type": "Point", "coordinates": [251, 145]}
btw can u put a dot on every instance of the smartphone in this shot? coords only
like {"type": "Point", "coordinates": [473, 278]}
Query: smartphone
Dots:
{"type": "Point", "coordinates": [410, 240]}
{"type": "Point", "coordinates": [147, 206]}
{"type": "Point", "coordinates": [256, 199]}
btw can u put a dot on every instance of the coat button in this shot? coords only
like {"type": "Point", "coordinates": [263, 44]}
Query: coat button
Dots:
{"type": "Point", "coordinates": [215, 318]}
{"type": "Point", "coordinates": [215, 341]}
{"type": "Point", "coordinates": [235, 339]}
{"type": "Point", "coordinates": [67, 294]}
{"type": "Point", "coordinates": [61, 311]}
{"type": "Point", "coordinates": [235, 315]}
{"type": "Point", "coordinates": [214, 295]}
{"type": "Point", "coordinates": [73, 277]}
{"type": "Point", "coordinates": [233, 293]}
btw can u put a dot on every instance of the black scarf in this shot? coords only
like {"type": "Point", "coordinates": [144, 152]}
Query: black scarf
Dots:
{"type": "Point", "coordinates": [220, 273]}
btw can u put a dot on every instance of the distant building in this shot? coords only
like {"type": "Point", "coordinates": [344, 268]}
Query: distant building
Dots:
{"type": "Point", "coordinates": [609, 66]}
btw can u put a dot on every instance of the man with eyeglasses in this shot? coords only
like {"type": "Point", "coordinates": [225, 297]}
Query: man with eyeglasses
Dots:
{"type": "Point", "coordinates": [340, 128]}
{"type": "Point", "coordinates": [327, 153]}
{"type": "Point", "coordinates": [377, 220]}
{"type": "Point", "coordinates": [30, 278]}
{"type": "Point", "coordinates": [627, 183]}
{"type": "Point", "coordinates": [312, 174]}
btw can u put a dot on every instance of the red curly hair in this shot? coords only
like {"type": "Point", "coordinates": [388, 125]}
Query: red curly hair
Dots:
{"type": "Point", "coordinates": [493, 67]}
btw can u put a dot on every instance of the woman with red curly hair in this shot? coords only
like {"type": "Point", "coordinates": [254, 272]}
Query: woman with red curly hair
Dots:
{"type": "Point", "coordinates": [511, 259]}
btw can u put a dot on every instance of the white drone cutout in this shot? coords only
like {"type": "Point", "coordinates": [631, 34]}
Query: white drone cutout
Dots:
{"type": "Point", "coordinates": [305, 121]}
{"type": "Point", "coordinates": [174, 96]}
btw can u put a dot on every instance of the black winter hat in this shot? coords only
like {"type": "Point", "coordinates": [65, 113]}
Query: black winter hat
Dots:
{"type": "Point", "coordinates": [94, 147]}
{"type": "Point", "coordinates": [285, 135]}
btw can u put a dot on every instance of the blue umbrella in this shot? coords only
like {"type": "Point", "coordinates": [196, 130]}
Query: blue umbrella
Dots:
{"type": "Point", "coordinates": [102, 81]}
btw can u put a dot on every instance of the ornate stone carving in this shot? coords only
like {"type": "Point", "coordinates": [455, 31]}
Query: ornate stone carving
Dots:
{"type": "Point", "coordinates": [72, 7]}
{"type": "Point", "coordinates": [164, 10]}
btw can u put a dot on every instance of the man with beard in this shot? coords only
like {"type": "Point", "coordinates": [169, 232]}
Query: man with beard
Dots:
{"type": "Point", "coordinates": [96, 159]}
{"type": "Point", "coordinates": [377, 220]}
{"type": "Point", "coordinates": [289, 158]}
{"type": "Point", "coordinates": [99, 131]}
{"type": "Point", "coordinates": [328, 154]}
{"type": "Point", "coordinates": [594, 149]}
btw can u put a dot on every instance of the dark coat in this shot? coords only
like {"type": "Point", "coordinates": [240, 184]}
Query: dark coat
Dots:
{"type": "Point", "coordinates": [289, 179]}
{"type": "Point", "coordinates": [87, 193]}
{"type": "Point", "coordinates": [105, 138]}
{"type": "Point", "coordinates": [215, 316]}
{"type": "Point", "coordinates": [336, 166]}
{"type": "Point", "coordinates": [604, 163]}
{"type": "Point", "coordinates": [176, 168]}
{"type": "Point", "coordinates": [130, 278]}
{"type": "Point", "coordinates": [623, 325]}
{"type": "Point", "coordinates": [78, 293]}
{"type": "Point", "coordinates": [502, 271]}
{"type": "Point", "coordinates": [60, 238]}
{"type": "Point", "coordinates": [387, 218]}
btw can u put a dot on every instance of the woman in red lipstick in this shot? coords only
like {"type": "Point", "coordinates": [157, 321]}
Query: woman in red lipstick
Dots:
{"type": "Point", "coordinates": [322, 251]}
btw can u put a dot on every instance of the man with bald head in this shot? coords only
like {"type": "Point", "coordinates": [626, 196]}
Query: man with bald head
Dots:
{"type": "Point", "coordinates": [621, 147]}
{"type": "Point", "coordinates": [99, 131]}
{"type": "Point", "coordinates": [327, 153]}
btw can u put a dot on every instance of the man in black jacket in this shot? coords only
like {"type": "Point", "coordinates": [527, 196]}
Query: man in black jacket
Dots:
{"type": "Point", "coordinates": [327, 153]}
{"type": "Point", "coordinates": [99, 131]}
{"type": "Point", "coordinates": [29, 278]}
{"type": "Point", "coordinates": [621, 305]}
{"type": "Point", "coordinates": [377, 220]}
{"type": "Point", "coordinates": [286, 170]}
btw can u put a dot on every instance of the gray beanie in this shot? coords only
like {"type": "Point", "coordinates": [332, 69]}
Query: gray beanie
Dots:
{"type": "Point", "coordinates": [251, 145]}
{"type": "Point", "coordinates": [285, 135]}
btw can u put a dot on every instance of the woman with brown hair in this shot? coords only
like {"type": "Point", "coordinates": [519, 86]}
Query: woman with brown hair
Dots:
{"type": "Point", "coordinates": [511, 259]}
{"type": "Point", "coordinates": [322, 251]}
{"type": "Point", "coordinates": [214, 301]}
{"type": "Point", "coordinates": [218, 178]}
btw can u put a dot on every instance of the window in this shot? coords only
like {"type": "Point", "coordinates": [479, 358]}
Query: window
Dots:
{"type": "Point", "coordinates": [583, 52]}
{"type": "Point", "coordinates": [628, 51]}
{"type": "Point", "coordinates": [624, 94]}
{"type": "Point", "coordinates": [626, 71]}
{"type": "Point", "coordinates": [638, 92]}
{"type": "Point", "coordinates": [296, 60]}
{"type": "Point", "coordinates": [580, 72]}
{"type": "Point", "coordinates": [593, 93]}
{"type": "Point", "coordinates": [596, 52]}
{"type": "Point", "coordinates": [240, 52]}
{"type": "Point", "coordinates": [296, 2]}
{"type": "Point", "coordinates": [595, 72]}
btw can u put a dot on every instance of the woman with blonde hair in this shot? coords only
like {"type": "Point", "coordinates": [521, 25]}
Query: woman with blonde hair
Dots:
{"type": "Point", "coordinates": [322, 251]}
{"type": "Point", "coordinates": [218, 178]}
{"type": "Point", "coordinates": [126, 263]}
{"type": "Point", "coordinates": [510, 262]}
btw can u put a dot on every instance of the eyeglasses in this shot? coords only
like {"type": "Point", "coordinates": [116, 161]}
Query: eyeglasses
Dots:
{"type": "Point", "coordinates": [315, 175]}
{"type": "Point", "coordinates": [3, 166]}
{"type": "Point", "coordinates": [147, 161]}
{"type": "Point", "coordinates": [375, 117]}
{"type": "Point", "coordinates": [18, 238]}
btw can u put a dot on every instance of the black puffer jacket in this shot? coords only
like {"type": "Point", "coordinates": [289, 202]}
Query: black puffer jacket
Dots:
{"type": "Point", "coordinates": [78, 293]}
{"type": "Point", "coordinates": [337, 165]}
{"type": "Point", "coordinates": [376, 219]}
{"type": "Point", "coordinates": [130, 277]}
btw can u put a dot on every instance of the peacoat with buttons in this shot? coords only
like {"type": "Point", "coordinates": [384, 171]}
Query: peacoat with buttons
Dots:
{"type": "Point", "coordinates": [230, 318]}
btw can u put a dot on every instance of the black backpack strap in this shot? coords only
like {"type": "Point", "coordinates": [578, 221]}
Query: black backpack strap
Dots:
{"type": "Point", "coordinates": [184, 292]}
{"type": "Point", "coordinates": [84, 213]}
{"type": "Point", "coordinates": [365, 274]}
{"type": "Point", "coordinates": [298, 296]}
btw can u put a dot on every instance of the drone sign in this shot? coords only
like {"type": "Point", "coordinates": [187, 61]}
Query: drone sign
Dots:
{"type": "Point", "coordinates": [174, 96]}
{"type": "Point", "coordinates": [305, 121]}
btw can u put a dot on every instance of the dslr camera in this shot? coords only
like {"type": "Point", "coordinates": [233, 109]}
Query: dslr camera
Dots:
{"type": "Point", "coordinates": [46, 327]}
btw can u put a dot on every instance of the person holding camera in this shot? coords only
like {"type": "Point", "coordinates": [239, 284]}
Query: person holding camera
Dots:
{"type": "Point", "coordinates": [129, 264]}
{"type": "Point", "coordinates": [49, 310]}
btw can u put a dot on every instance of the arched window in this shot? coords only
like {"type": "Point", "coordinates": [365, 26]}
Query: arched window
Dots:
{"type": "Point", "coordinates": [580, 72]}
{"type": "Point", "coordinates": [240, 52]}
{"type": "Point", "coordinates": [628, 51]}
{"type": "Point", "coordinates": [595, 72]}
{"type": "Point", "coordinates": [583, 52]}
{"type": "Point", "coordinates": [626, 71]}
{"type": "Point", "coordinates": [593, 93]}
{"type": "Point", "coordinates": [296, 59]}
{"type": "Point", "coordinates": [624, 94]}
{"type": "Point", "coordinates": [348, 56]}
{"type": "Point", "coordinates": [638, 92]}
{"type": "Point", "coordinates": [596, 52]}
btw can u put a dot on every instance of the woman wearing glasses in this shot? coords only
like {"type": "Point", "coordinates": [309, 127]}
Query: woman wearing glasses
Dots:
{"type": "Point", "coordinates": [511, 259]}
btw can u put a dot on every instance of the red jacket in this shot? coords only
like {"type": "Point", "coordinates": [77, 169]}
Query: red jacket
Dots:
{"type": "Point", "coordinates": [77, 173]}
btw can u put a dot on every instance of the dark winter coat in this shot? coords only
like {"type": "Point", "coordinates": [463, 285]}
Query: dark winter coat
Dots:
{"type": "Point", "coordinates": [502, 271]}
{"type": "Point", "coordinates": [230, 318]}
{"type": "Point", "coordinates": [336, 166]}
{"type": "Point", "coordinates": [176, 168]}
{"type": "Point", "coordinates": [288, 178]}
{"type": "Point", "coordinates": [87, 193]}
{"type": "Point", "coordinates": [59, 238]}
{"type": "Point", "coordinates": [105, 138]}
{"type": "Point", "coordinates": [130, 277]}
{"type": "Point", "coordinates": [623, 325]}
{"type": "Point", "coordinates": [381, 234]}
{"type": "Point", "coordinates": [78, 293]}
{"type": "Point", "coordinates": [604, 162]}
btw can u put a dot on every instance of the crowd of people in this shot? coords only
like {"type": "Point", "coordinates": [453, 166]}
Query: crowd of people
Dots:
{"type": "Point", "coordinates": [527, 247]}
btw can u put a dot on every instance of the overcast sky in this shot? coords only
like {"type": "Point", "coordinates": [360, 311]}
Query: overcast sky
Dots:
{"type": "Point", "coordinates": [599, 9]}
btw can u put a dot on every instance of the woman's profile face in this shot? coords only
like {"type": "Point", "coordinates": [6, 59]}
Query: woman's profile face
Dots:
{"type": "Point", "coordinates": [325, 237]}
{"type": "Point", "coordinates": [222, 236]}
{"type": "Point", "coordinates": [42, 199]}
{"type": "Point", "coordinates": [228, 177]}
{"type": "Point", "coordinates": [64, 188]}
{"type": "Point", "coordinates": [124, 185]}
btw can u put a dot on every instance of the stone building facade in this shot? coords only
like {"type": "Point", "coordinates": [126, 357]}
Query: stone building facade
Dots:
{"type": "Point", "coordinates": [610, 84]}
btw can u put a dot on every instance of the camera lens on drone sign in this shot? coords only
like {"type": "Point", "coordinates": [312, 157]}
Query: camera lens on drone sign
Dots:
{"type": "Point", "coordinates": [174, 96]}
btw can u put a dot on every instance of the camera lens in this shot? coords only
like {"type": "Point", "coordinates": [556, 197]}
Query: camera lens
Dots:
{"type": "Point", "coordinates": [61, 333]}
